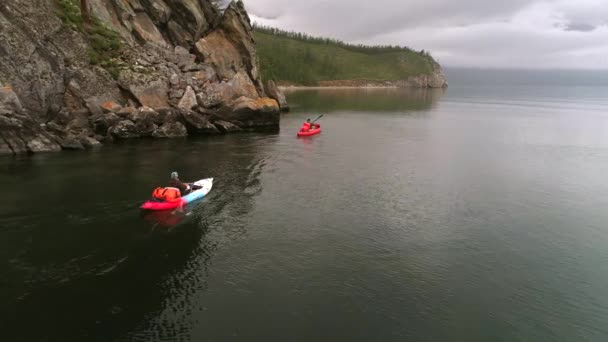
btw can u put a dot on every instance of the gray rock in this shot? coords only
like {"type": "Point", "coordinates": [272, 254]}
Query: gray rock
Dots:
{"type": "Point", "coordinates": [167, 114]}
{"type": "Point", "coordinates": [197, 123]}
{"type": "Point", "coordinates": [226, 127]}
{"type": "Point", "coordinates": [125, 129]}
{"type": "Point", "coordinates": [89, 142]}
{"type": "Point", "coordinates": [152, 93]}
{"type": "Point", "coordinates": [176, 94]}
{"type": "Point", "coordinates": [71, 143]}
{"type": "Point", "coordinates": [209, 100]}
{"type": "Point", "coordinates": [275, 93]}
{"type": "Point", "coordinates": [252, 113]}
{"type": "Point", "coordinates": [170, 130]}
{"type": "Point", "coordinates": [145, 115]}
{"type": "Point", "coordinates": [188, 101]}
{"type": "Point", "coordinates": [145, 128]}
{"type": "Point", "coordinates": [101, 123]}
{"type": "Point", "coordinates": [37, 143]}
{"type": "Point", "coordinates": [174, 79]}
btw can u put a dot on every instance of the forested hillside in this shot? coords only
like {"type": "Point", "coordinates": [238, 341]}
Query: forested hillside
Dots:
{"type": "Point", "coordinates": [296, 58]}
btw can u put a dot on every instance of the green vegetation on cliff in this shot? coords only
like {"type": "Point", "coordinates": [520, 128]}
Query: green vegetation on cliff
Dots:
{"type": "Point", "coordinates": [104, 43]}
{"type": "Point", "coordinates": [289, 57]}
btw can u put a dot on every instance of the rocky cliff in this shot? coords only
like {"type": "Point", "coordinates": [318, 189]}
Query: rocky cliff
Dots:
{"type": "Point", "coordinates": [136, 68]}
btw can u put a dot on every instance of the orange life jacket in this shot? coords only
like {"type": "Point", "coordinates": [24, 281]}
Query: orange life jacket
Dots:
{"type": "Point", "coordinates": [168, 194]}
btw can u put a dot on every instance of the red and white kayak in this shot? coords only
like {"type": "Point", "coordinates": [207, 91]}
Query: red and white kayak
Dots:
{"type": "Point", "coordinates": [205, 184]}
{"type": "Point", "coordinates": [306, 131]}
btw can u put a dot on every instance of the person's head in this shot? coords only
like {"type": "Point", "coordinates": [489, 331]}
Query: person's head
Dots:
{"type": "Point", "coordinates": [174, 175]}
{"type": "Point", "coordinates": [308, 120]}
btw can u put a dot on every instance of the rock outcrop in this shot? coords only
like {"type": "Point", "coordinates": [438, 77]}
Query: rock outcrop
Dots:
{"type": "Point", "coordinates": [183, 67]}
{"type": "Point", "coordinates": [275, 93]}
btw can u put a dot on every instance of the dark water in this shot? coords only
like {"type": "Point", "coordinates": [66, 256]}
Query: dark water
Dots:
{"type": "Point", "coordinates": [475, 214]}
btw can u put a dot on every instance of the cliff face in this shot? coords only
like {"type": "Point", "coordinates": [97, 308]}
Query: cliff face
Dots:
{"type": "Point", "coordinates": [159, 68]}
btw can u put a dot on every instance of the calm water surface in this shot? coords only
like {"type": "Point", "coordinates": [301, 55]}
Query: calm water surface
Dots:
{"type": "Point", "coordinates": [472, 214]}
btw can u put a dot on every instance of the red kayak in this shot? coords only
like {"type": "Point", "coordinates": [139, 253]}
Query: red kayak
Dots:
{"type": "Point", "coordinates": [162, 205]}
{"type": "Point", "coordinates": [155, 204]}
{"type": "Point", "coordinates": [305, 131]}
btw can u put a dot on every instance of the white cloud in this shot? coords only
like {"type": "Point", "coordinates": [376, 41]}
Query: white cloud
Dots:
{"type": "Point", "coordinates": [518, 33]}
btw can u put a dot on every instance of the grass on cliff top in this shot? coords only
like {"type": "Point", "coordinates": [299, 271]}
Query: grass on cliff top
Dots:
{"type": "Point", "coordinates": [297, 58]}
{"type": "Point", "coordinates": [104, 43]}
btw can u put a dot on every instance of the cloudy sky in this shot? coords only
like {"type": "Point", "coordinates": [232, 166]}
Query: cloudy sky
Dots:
{"type": "Point", "coordinates": [469, 33]}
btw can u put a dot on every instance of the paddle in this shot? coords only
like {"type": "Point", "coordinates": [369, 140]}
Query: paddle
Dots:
{"type": "Point", "coordinates": [320, 116]}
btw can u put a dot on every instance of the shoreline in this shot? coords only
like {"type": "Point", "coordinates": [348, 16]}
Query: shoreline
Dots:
{"type": "Point", "coordinates": [339, 87]}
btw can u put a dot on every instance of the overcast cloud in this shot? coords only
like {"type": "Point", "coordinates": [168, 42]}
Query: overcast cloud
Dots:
{"type": "Point", "coordinates": [471, 33]}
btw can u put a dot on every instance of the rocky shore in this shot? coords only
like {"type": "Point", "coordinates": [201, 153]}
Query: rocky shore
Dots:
{"type": "Point", "coordinates": [183, 67]}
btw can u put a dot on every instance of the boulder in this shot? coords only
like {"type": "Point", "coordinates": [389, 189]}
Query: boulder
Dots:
{"type": "Point", "coordinates": [37, 142]}
{"type": "Point", "coordinates": [197, 123]}
{"type": "Point", "coordinates": [145, 128]}
{"type": "Point", "coordinates": [275, 93]}
{"type": "Point", "coordinates": [204, 74]}
{"type": "Point", "coordinates": [170, 130]}
{"type": "Point", "coordinates": [226, 127]}
{"type": "Point", "coordinates": [174, 79]}
{"type": "Point", "coordinates": [182, 56]}
{"type": "Point", "coordinates": [188, 101]}
{"type": "Point", "coordinates": [71, 143]}
{"type": "Point", "coordinates": [152, 93]}
{"type": "Point", "coordinates": [102, 122]}
{"type": "Point", "coordinates": [124, 129]}
{"type": "Point", "coordinates": [79, 122]}
{"type": "Point", "coordinates": [145, 115]}
{"type": "Point", "coordinates": [209, 99]}
{"type": "Point", "coordinates": [168, 114]}
{"type": "Point", "coordinates": [252, 113]}
{"type": "Point", "coordinates": [176, 94]}
{"type": "Point", "coordinates": [89, 142]}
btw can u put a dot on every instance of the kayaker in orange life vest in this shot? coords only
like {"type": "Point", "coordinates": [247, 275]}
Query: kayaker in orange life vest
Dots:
{"type": "Point", "coordinates": [311, 126]}
{"type": "Point", "coordinates": [184, 188]}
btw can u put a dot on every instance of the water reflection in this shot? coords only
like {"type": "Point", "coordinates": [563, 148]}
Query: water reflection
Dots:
{"type": "Point", "coordinates": [165, 218]}
{"type": "Point", "coordinates": [363, 99]}
{"type": "Point", "coordinates": [91, 256]}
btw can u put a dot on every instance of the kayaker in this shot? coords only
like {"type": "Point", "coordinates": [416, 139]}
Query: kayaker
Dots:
{"type": "Point", "coordinates": [184, 188]}
{"type": "Point", "coordinates": [311, 126]}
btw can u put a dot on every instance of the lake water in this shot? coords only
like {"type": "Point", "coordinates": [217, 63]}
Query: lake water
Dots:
{"type": "Point", "coordinates": [477, 213]}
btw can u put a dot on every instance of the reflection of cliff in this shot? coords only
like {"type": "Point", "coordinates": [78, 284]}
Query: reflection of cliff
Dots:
{"type": "Point", "coordinates": [363, 99]}
{"type": "Point", "coordinates": [95, 269]}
